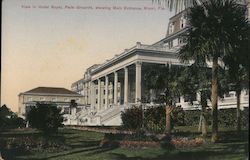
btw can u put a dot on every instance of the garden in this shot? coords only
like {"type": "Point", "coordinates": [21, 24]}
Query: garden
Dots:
{"type": "Point", "coordinates": [76, 144]}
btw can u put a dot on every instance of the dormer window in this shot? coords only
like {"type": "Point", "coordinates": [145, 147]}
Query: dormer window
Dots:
{"type": "Point", "coordinates": [182, 22]}
{"type": "Point", "coordinates": [170, 44]}
{"type": "Point", "coordinates": [180, 41]}
{"type": "Point", "coordinates": [171, 28]}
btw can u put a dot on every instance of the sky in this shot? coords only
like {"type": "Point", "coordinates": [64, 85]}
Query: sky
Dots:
{"type": "Point", "coordinates": [51, 43]}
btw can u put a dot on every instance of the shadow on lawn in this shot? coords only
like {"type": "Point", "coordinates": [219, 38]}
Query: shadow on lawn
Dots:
{"type": "Point", "coordinates": [231, 143]}
{"type": "Point", "coordinates": [188, 155]}
{"type": "Point", "coordinates": [92, 151]}
{"type": "Point", "coordinates": [84, 144]}
{"type": "Point", "coordinates": [233, 136]}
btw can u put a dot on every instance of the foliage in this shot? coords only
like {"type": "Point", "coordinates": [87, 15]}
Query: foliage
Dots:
{"type": "Point", "coordinates": [9, 119]}
{"type": "Point", "coordinates": [163, 79]}
{"type": "Point", "coordinates": [218, 29]}
{"type": "Point", "coordinates": [178, 116]}
{"type": "Point", "coordinates": [45, 117]}
{"type": "Point", "coordinates": [192, 117]}
{"type": "Point", "coordinates": [154, 118]}
{"type": "Point", "coordinates": [184, 142]}
{"type": "Point", "coordinates": [132, 118]}
{"type": "Point", "coordinates": [34, 144]}
{"type": "Point", "coordinates": [226, 117]}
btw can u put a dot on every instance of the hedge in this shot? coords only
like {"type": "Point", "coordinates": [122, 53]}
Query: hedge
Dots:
{"type": "Point", "coordinates": [154, 118]}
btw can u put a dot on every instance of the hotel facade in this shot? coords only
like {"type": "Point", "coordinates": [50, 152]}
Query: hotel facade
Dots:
{"type": "Point", "coordinates": [118, 83]}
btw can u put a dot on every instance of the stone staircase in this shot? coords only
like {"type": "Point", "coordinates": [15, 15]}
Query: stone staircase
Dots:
{"type": "Point", "coordinates": [112, 116]}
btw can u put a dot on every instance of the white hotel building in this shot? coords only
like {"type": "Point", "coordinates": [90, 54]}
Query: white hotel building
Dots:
{"type": "Point", "coordinates": [118, 83]}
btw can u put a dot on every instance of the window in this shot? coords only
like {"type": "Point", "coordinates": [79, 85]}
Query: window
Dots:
{"type": "Point", "coordinates": [53, 99]}
{"type": "Point", "coordinates": [103, 101]}
{"type": "Point", "coordinates": [42, 99]}
{"type": "Point", "coordinates": [104, 92]}
{"type": "Point", "coordinates": [175, 42]}
{"type": "Point", "coordinates": [96, 91]}
{"type": "Point", "coordinates": [96, 101]}
{"type": "Point", "coordinates": [178, 100]}
{"type": "Point", "coordinates": [29, 98]}
{"type": "Point", "coordinates": [182, 22]}
{"type": "Point", "coordinates": [170, 44]}
{"type": "Point", "coordinates": [171, 28]}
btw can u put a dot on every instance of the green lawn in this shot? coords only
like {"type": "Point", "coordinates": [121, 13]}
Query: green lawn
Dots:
{"type": "Point", "coordinates": [85, 145]}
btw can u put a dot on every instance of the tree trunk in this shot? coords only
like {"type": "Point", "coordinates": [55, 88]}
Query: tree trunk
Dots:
{"type": "Point", "coordinates": [204, 126]}
{"type": "Point", "coordinates": [238, 93]}
{"type": "Point", "coordinates": [168, 118]}
{"type": "Point", "coordinates": [214, 100]}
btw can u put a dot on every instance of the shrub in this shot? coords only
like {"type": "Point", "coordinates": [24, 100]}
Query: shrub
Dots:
{"type": "Point", "coordinates": [45, 117]}
{"type": "Point", "coordinates": [132, 118]}
{"type": "Point", "coordinates": [178, 116]}
{"type": "Point", "coordinates": [154, 118]}
{"type": "Point", "coordinates": [192, 117]}
{"type": "Point", "coordinates": [10, 120]}
{"type": "Point", "coordinates": [184, 142]}
{"type": "Point", "coordinates": [226, 117]}
{"type": "Point", "coordinates": [245, 118]}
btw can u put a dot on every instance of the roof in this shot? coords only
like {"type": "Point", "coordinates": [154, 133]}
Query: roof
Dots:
{"type": "Point", "coordinates": [51, 90]}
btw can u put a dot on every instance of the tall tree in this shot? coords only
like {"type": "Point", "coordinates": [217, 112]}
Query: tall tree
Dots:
{"type": "Point", "coordinates": [216, 28]}
{"type": "Point", "coordinates": [238, 79]}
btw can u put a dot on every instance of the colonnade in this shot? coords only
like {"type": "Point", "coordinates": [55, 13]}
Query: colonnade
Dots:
{"type": "Point", "coordinates": [99, 94]}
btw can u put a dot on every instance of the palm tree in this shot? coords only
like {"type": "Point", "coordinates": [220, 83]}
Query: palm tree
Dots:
{"type": "Point", "coordinates": [238, 78]}
{"type": "Point", "coordinates": [195, 79]}
{"type": "Point", "coordinates": [164, 79]}
{"type": "Point", "coordinates": [216, 29]}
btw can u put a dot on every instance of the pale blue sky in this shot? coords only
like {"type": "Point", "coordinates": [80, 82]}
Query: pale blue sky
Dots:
{"type": "Point", "coordinates": [53, 47]}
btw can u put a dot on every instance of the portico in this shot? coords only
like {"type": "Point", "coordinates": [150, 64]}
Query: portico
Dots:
{"type": "Point", "coordinates": [118, 82]}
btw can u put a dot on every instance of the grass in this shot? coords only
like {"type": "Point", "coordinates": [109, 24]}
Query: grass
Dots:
{"type": "Point", "coordinates": [85, 145]}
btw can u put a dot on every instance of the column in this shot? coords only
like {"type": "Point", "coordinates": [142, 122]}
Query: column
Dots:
{"type": "Point", "coordinates": [92, 94]}
{"type": "Point", "coordinates": [138, 81]}
{"type": "Point", "coordinates": [106, 91]}
{"type": "Point", "coordinates": [115, 87]}
{"type": "Point", "coordinates": [85, 94]}
{"type": "Point", "coordinates": [151, 92]}
{"type": "Point", "coordinates": [99, 95]}
{"type": "Point", "coordinates": [125, 85]}
{"type": "Point", "coordinates": [88, 93]}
